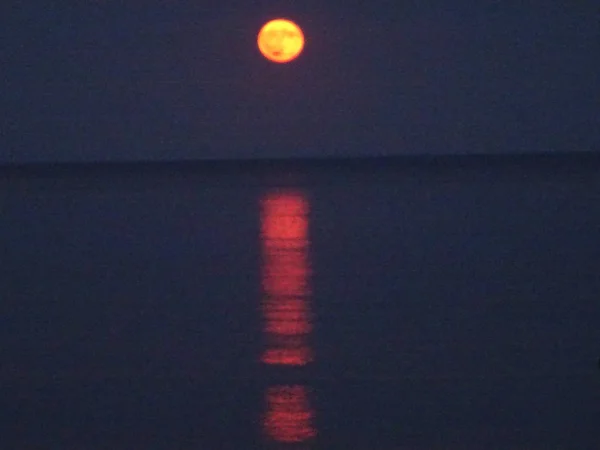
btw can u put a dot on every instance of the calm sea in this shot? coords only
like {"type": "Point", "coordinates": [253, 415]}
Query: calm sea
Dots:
{"type": "Point", "coordinates": [449, 303]}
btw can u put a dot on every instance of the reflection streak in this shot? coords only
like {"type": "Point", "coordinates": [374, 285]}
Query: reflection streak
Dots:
{"type": "Point", "coordinates": [285, 273]}
{"type": "Point", "coordinates": [286, 313]}
{"type": "Point", "coordinates": [289, 417]}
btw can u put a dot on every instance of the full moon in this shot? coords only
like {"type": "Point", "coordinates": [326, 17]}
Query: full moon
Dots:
{"type": "Point", "coordinates": [280, 40]}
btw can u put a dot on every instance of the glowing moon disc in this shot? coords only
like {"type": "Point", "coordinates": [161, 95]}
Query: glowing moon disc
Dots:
{"type": "Point", "coordinates": [280, 40]}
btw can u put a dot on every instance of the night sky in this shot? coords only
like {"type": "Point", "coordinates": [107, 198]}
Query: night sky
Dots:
{"type": "Point", "coordinates": [158, 80]}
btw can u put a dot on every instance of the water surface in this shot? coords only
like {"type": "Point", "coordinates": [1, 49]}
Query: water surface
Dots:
{"type": "Point", "coordinates": [430, 304]}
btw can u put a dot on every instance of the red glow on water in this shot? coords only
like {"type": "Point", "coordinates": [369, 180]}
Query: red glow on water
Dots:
{"type": "Point", "coordinates": [289, 417]}
{"type": "Point", "coordinates": [287, 356]}
{"type": "Point", "coordinates": [284, 217]}
{"type": "Point", "coordinates": [288, 317]}
{"type": "Point", "coordinates": [285, 272]}
{"type": "Point", "coordinates": [285, 279]}
{"type": "Point", "coordinates": [287, 321]}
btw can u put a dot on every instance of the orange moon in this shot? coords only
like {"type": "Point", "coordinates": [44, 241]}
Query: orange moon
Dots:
{"type": "Point", "coordinates": [280, 40]}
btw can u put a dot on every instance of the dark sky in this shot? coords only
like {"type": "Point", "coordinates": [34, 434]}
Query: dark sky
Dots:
{"type": "Point", "coordinates": [165, 80]}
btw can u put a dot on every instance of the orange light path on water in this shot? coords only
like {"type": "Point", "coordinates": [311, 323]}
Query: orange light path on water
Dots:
{"type": "Point", "coordinates": [285, 279]}
{"type": "Point", "coordinates": [289, 417]}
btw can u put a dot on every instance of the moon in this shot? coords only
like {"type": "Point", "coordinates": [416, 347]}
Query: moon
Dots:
{"type": "Point", "coordinates": [280, 40]}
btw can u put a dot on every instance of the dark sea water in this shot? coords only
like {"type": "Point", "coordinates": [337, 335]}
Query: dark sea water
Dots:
{"type": "Point", "coordinates": [449, 303]}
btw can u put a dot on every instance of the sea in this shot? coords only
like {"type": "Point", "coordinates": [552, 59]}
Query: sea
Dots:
{"type": "Point", "coordinates": [448, 302]}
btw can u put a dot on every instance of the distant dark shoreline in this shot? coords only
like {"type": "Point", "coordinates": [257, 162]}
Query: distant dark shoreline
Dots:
{"type": "Point", "coordinates": [545, 160]}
